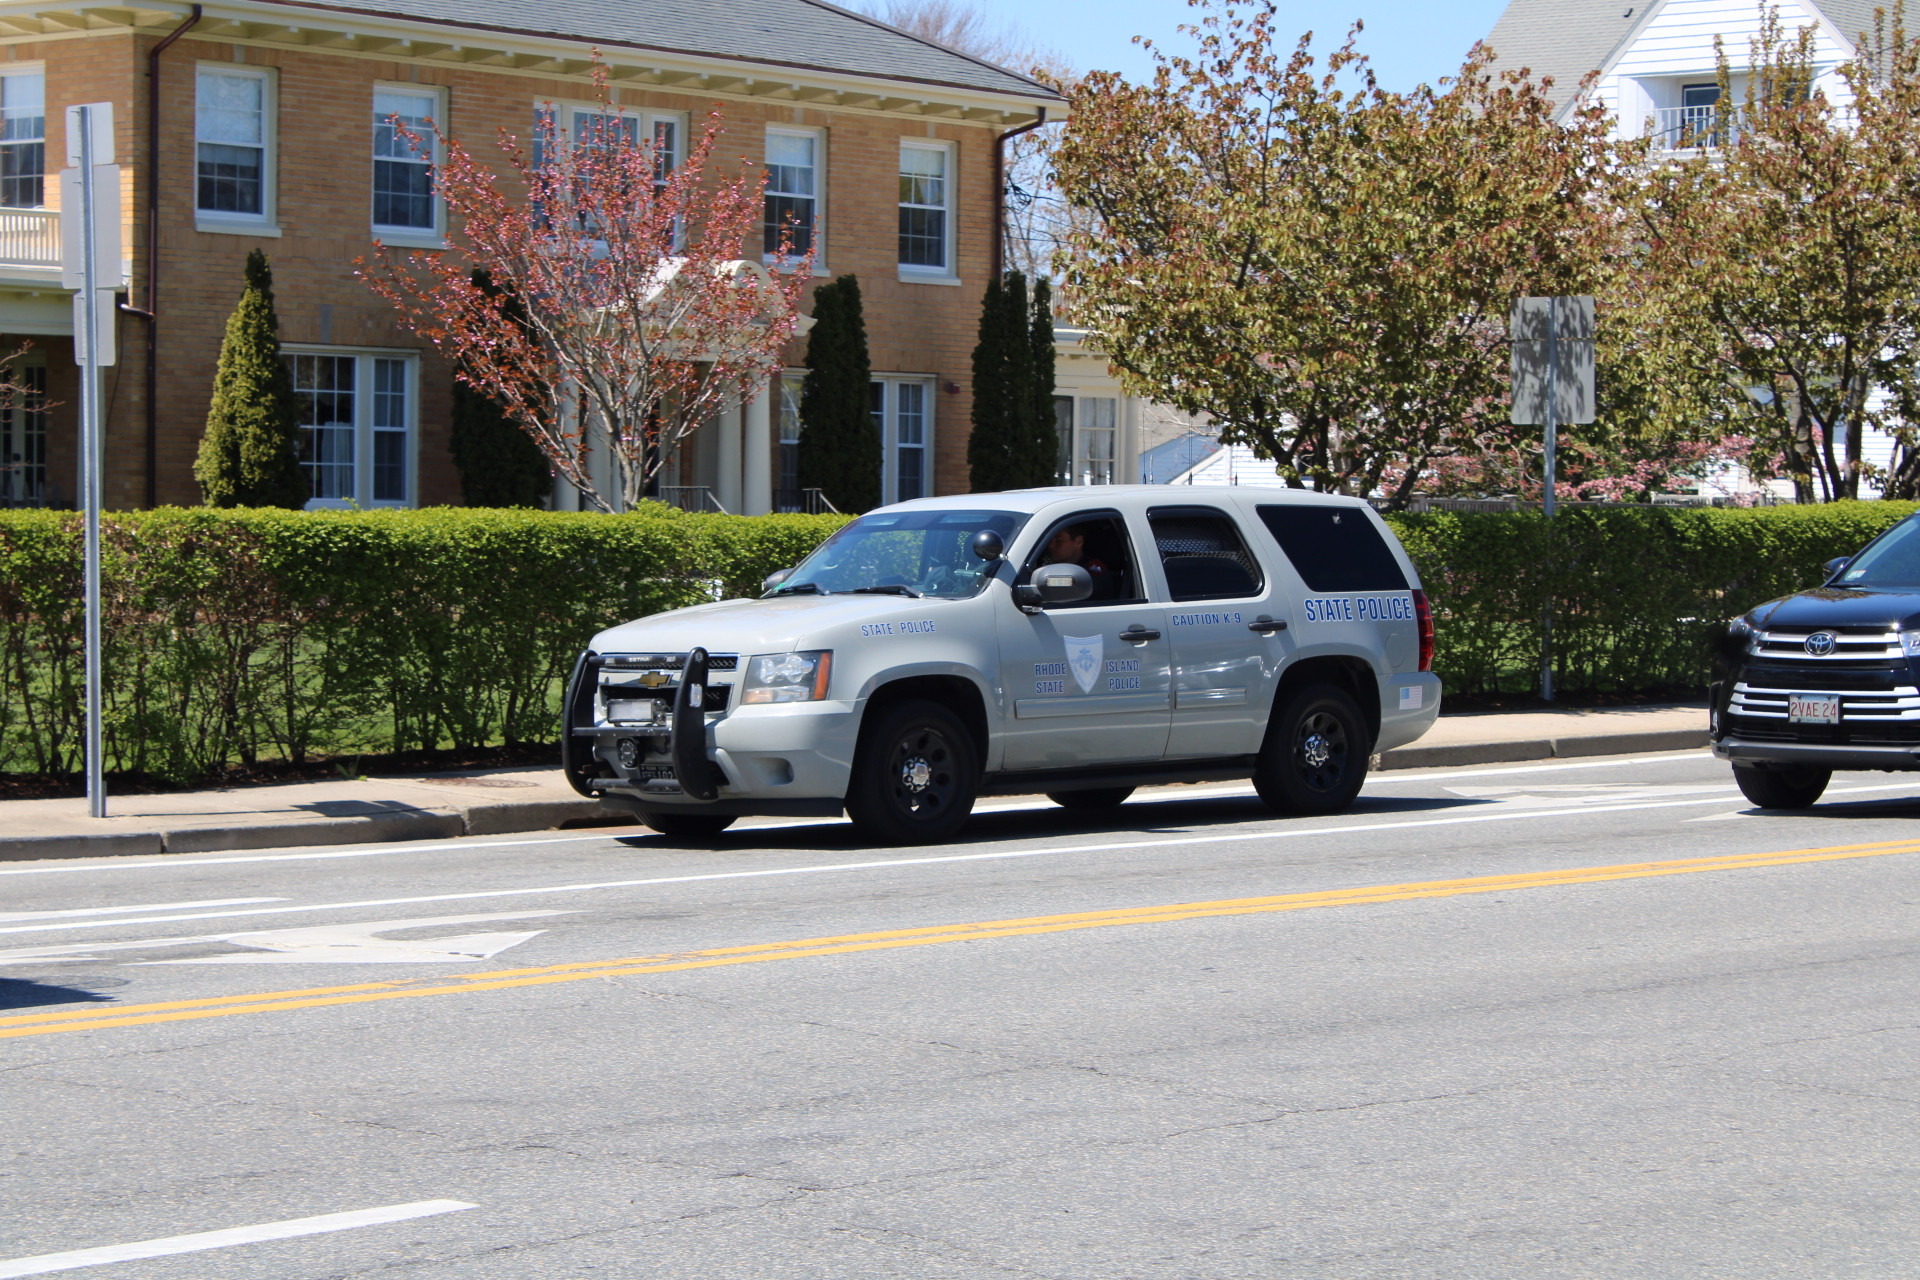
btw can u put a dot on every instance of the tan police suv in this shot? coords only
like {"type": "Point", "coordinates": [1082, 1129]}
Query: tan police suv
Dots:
{"type": "Point", "coordinates": [1075, 642]}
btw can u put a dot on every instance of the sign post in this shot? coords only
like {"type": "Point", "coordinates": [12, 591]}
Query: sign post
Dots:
{"type": "Point", "coordinates": [1552, 384]}
{"type": "Point", "coordinates": [90, 264]}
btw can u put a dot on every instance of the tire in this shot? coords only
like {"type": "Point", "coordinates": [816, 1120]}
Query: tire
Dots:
{"type": "Point", "coordinates": [686, 826]}
{"type": "Point", "coordinates": [1316, 753]}
{"type": "Point", "coordinates": [1098, 800]}
{"type": "Point", "coordinates": [914, 776]}
{"type": "Point", "coordinates": [1782, 787]}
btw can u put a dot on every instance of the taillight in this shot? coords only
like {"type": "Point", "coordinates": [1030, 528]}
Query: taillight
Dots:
{"type": "Point", "coordinates": [1423, 614]}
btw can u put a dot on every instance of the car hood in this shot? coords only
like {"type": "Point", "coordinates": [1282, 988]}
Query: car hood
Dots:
{"type": "Point", "coordinates": [1840, 607]}
{"type": "Point", "coordinates": [756, 626]}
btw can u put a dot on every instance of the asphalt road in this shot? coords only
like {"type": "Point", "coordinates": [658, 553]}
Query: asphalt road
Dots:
{"type": "Point", "coordinates": [1594, 1018]}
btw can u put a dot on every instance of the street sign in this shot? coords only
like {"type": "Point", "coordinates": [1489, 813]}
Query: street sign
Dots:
{"type": "Point", "coordinates": [105, 306]}
{"type": "Point", "coordinates": [109, 270]}
{"type": "Point", "coordinates": [1552, 356]}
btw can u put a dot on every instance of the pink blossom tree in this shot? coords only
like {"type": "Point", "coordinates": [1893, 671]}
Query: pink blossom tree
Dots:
{"type": "Point", "coordinates": [625, 311]}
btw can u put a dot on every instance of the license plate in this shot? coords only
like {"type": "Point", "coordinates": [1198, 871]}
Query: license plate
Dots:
{"type": "Point", "coordinates": [653, 772]}
{"type": "Point", "coordinates": [1813, 708]}
{"type": "Point", "coordinates": [635, 711]}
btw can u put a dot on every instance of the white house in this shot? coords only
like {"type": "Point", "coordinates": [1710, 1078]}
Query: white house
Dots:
{"type": "Point", "coordinates": [1659, 76]}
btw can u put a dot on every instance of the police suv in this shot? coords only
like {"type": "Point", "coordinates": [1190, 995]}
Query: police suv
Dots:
{"type": "Point", "coordinates": [1825, 679]}
{"type": "Point", "coordinates": [1074, 642]}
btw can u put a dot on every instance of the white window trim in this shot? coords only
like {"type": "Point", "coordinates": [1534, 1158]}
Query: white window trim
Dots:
{"type": "Point", "coordinates": [889, 437]}
{"type": "Point", "coordinates": [819, 137]}
{"type": "Point", "coordinates": [266, 222]}
{"type": "Point", "coordinates": [49, 178]}
{"type": "Point", "coordinates": [363, 423]}
{"type": "Point", "coordinates": [565, 109]}
{"type": "Point", "coordinates": [413, 237]}
{"type": "Point", "coordinates": [950, 274]}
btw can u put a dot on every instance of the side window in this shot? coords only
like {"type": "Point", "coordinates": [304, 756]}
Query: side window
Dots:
{"type": "Point", "coordinates": [1097, 541]}
{"type": "Point", "coordinates": [403, 198]}
{"type": "Point", "coordinates": [1203, 554]}
{"type": "Point", "coordinates": [233, 137]}
{"type": "Point", "coordinates": [1334, 548]}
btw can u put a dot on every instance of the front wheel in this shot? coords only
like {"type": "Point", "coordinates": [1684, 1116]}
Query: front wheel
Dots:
{"type": "Point", "coordinates": [914, 776]}
{"type": "Point", "coordinates": [1315, 755]}
{"type": "Point", "coordinates": [1099, 800]}
{"type": "Point", "coordinates": [1781, 787]}
{"type": "Point", "coordinates": [686, 826]}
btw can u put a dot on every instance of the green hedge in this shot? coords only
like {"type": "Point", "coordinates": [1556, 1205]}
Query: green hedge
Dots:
{"type": "Point", "coordinates": [239, 636]}
{"type": "Point", "coordinates": [1636, 591]}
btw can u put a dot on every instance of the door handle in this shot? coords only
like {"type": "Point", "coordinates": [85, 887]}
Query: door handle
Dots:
{"type": "Point", "coordinates": [1138, 635]}
{"type": "Point", "coordinates": [1267, 625]}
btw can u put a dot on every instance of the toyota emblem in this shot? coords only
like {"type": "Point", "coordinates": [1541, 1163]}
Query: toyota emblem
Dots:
{"type": "Point", "coordinates": [1820, 644]}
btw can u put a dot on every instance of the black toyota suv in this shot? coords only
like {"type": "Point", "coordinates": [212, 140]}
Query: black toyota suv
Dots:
{"type": "Point", "coordinates": [1825, 679]}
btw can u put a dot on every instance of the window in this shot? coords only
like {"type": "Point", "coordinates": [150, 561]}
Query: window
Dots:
{"type": "Point", "coordinates": [787, 495]}
{"type": "Point", "coordinates": [925, 194]}
{"type": "Point", "coordinates": [23, 141]}
{"type": "Point", "coordinates": [1063, 425]}
{"type": "Point", "coordinates": [23, 438]}
{"type": "Point", "coordinates": [1093, 441]}
{"type": "Point", "coordinates": [1698, 105]}
{"type": "Point", "coordinates": [356, 420]}
{"type": "Point", "coordinates": [403, 198]}
{"type": "Point", "coordinates": [590, 125]}
{"type": "Point", "coordinates": [903, 412]}
{"type": "Point", "coordinates": [1334, 548]}
{"type": "Point", "coordinates": [232, 143]}
{"type": "Point", "coordinates": [1203, 554]}
{"type": "Point", "coordinates": [1097, 541]}
{"type": "Point", "coordinates": [793, 190]}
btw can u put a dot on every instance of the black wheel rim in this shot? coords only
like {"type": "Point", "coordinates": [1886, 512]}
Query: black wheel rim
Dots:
{"type": "Point", "coordinates": [1320, 751]}
{"type": "Point", "coordinates": [922, 774]}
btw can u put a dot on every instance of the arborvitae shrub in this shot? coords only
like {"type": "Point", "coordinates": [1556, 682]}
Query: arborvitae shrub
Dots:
{"type": "Point", "coordinates": [839, 443]}
{"type": "Point", "coordinates": [250, 454]}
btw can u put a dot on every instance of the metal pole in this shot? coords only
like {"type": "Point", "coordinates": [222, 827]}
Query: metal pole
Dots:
{"type": "Point", "coordinates": [1552, 444]}
{"type": "Point", "coordinates": [91, 450]}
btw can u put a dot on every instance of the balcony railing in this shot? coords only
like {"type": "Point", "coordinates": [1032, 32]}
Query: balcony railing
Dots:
{"type": "Point", "coordinates": [1685, 128]}
{"type": "Point", "coordinates": [29, 237]}
{"type": "Point", "coordinates": [811, 502]}
{"type": "Point", "coordinates": [690, 497]}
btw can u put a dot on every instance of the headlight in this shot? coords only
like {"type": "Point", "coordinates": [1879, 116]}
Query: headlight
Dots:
{"type": "Point", "coordinates": [787, 677]}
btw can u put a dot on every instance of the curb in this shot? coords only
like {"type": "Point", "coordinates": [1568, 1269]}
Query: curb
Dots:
{"type": "Point", "coordinates": [1593, 744]}
{"type": "Point", "coordinates": [511, 817]}
{"type": "Point", "coordinates": [502, 818]}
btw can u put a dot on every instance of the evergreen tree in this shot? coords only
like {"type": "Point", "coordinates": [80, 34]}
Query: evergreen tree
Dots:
{"type": "Point", "coordinates": [839, 443]}
{"type": "Point", "coordinates": [1045, 461]}
{"type": "Point", "coordinates": [250, 455]}
{"type": "Point", "coordinates": [500, 465]}
{"type": "Point", "coordinates": [1000, 450]}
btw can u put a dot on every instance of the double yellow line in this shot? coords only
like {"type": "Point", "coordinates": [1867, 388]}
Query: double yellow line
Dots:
{"type": "Point", "coordinates": [41, 1024]}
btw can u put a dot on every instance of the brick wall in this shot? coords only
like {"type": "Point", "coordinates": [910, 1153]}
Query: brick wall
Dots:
{"type": "Point", "coordinates": [323, 199]}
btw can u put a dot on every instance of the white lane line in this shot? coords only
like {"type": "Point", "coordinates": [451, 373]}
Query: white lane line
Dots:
{"type": "Point", "coordinates": [200, 1241]}
{"type": "Point", "coordinates": [1283, 833]}
{"type": "Point", "coordinates": [462, 846]}
{"type": "Point", "coordinates": [121, 911]}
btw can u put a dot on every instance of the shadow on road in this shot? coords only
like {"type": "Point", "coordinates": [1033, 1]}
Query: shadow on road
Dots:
{"type": "Point", "coordinates": [30, 993]}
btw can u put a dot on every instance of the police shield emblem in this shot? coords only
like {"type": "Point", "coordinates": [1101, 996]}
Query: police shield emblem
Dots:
{"type": "Point", "coordinates": [1083, 659]}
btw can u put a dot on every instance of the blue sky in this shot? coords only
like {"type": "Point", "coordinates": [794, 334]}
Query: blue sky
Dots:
{"type": "Point", "coordinates": [1407, 41]}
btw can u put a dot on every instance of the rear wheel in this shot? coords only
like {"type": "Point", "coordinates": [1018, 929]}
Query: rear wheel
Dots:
{"type": "Point", "coordinates": [1783, 786]}
{"type": "Point", "coordinates": [686, 826]}
{"type": "Point", "coordinates": [914, 776]}
{"type": "Point", "coordinates": [1095, 801]}
{"type": "Point", "coordinates": [1315, 755]}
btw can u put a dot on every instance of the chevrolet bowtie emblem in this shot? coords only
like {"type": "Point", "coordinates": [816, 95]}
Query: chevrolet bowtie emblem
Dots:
{"type": "Point", "coordinates": [654, 679]}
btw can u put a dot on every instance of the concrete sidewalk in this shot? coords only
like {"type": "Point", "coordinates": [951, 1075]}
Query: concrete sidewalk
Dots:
{"type": "Point", "coordinates": [499, 802]}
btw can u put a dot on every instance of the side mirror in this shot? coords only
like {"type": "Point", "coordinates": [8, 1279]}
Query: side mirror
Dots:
{"type": "Point", "coordinates": [987, 545]}
{"type": "Point", "coordinates": [1836, 566]}
{"type": "Point", "coordinates": [1054, 584]}
{"type": "Point", "coordinates": [775, 579]}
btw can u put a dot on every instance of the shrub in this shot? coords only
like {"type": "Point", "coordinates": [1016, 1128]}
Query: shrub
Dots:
{"type": "Point", "coordinates": [250, 454]}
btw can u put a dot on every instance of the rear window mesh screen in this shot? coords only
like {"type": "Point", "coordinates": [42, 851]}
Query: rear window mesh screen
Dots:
{"type": "Point", "coordinates": [1204, 557]}
{"type": "Point", "coordinates": [1334, 548]}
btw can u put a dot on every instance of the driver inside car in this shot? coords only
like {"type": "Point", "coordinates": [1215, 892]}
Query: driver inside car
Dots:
{"type": "Point", "coordinates": [1069, 546]}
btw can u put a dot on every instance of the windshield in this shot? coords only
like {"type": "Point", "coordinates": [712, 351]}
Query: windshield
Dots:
{"type": "Point", "coordinates": [1893, 560]}
{"type": "Point", "coordinates": [922, 553]}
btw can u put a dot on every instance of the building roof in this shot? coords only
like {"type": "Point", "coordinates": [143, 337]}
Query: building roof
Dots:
{"type": "Point", "coordinates": [1565, 39]}
{"type": "Point", "coordinates": [809, 34]}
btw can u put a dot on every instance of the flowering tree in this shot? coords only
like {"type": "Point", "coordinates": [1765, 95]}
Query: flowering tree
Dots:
{"type": "Point", "coordinates": [638, 318]}
{"type": "Point", "coordinates": [1785, 247]}
{"type": "Point", "coordinates": [1321, 266]}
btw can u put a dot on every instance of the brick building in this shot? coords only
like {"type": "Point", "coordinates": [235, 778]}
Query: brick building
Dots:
{"type": "Point", "coordinates": [257, 123]}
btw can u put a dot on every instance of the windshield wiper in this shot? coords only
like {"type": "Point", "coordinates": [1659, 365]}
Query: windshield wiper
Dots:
{"type": "Point", "coordinates": [799, 588]}
{"type": "Point", "coordinates": [891, 589]}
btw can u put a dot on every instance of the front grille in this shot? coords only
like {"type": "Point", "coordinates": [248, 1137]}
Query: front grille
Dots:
{"type": "Point", "coordinates": [1878, 677]}
{"type": "Point", "coordinates": [717, 697]}
{"type": "Point", "coordinates": [1850, 643]}
{"type": "Point", "coordinates": [666, 662]}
